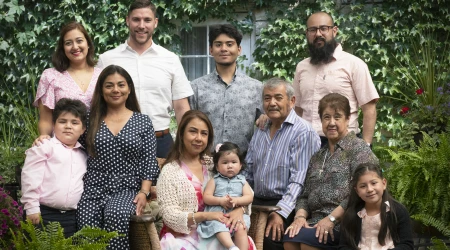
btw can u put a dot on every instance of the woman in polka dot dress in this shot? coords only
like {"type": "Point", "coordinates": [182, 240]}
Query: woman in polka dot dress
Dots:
{"type": "Point", "coordinates": [122, 157]}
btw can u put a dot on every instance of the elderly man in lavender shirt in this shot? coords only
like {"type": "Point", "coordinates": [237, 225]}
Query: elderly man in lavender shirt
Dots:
{"type": "Point", "coordinates": [278, 157]}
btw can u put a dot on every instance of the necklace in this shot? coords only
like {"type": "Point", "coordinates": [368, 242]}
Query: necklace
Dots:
{"type": "Point", "coordinates": [77, 80]}
{"type": "Point", "coordinates": [323, 163]}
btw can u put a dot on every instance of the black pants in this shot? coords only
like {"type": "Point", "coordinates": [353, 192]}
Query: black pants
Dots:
{"type": "Point", "coordinates": [65, 218]}
{"type": "Point", "coordinates": [268, 242]}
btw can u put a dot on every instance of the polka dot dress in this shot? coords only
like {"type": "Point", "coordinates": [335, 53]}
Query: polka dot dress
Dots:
{"type": "Point", "coordinates": [113, 178]}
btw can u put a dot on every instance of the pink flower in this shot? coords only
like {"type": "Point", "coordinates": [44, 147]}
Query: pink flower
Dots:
{"type": "Point", "coordinates": [5, 212]}
{"type": "Point", "coordinates": [419, 91]}
{"type": "Point", "coordinates": [404, 110]}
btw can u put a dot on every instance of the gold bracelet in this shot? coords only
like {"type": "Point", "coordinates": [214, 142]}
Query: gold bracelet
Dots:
{"type": "Point", "coordinates": [243, 209]}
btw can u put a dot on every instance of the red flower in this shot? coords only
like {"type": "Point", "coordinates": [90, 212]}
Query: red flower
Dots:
{"type": "Point", "coordinates": [419, 91]}
{"type": "Point", "coordinates": [404, 110]}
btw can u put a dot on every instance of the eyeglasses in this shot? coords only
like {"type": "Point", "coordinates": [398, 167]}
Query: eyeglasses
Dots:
{"type": "Point", "coordinates": [323, 29]}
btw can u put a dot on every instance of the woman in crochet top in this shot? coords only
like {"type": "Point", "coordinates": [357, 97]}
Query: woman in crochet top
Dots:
{"type": "Point", "coordinates": [180, 186]}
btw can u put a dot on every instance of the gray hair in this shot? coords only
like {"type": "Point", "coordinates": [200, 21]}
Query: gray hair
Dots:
{"type": "Point", "coordinates": [275, 82]}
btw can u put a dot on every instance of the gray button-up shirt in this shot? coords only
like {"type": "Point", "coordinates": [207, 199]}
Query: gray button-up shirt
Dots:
{"type": "Point", "coordinates": [232, 108]}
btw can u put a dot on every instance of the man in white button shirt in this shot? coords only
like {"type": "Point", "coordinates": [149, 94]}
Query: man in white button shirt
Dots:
{"type": "Point", "coordinates": [159, 78]}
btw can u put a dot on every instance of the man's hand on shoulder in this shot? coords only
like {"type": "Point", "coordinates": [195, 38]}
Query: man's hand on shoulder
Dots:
{"type": "Point", "coordinates": [261, 121]}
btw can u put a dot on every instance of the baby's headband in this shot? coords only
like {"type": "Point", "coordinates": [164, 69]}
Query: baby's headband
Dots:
{"type": "Point", "coordinates": [218, 147]}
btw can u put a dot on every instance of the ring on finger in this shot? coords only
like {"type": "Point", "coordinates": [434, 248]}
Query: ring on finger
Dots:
{"type": "Point", "coordinates": [326, 232]}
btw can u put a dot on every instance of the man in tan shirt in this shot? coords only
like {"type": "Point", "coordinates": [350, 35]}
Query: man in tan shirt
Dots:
{"type": "Point", "coordinates": [331, 70]}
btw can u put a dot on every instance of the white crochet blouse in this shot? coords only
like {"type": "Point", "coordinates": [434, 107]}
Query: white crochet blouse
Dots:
{"type": "Point", "coordinates": [176, 195]}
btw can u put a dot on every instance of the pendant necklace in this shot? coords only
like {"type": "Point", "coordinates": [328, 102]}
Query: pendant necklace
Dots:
{"type": "Point", "coordinates": [77, 80]}
{"type": "Point", "coordinates": [323, 164]}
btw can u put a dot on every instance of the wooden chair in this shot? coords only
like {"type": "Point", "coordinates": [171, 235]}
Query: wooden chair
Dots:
{"type": "Point", "coordinates": [143, 233]}
{"type": "Point", "coordinates": [258, 218]}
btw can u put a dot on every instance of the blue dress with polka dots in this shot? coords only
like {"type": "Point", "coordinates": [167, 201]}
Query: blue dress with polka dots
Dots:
{"type": "Point", "coordinates": [114, 176]}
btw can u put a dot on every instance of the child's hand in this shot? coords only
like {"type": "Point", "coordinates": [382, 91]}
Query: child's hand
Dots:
{"type": "Point", "coordinates": [218, 216]}
{"type": "Point", "coordinates": [34, 218]}
{"type": "Point", "coordinates": [234, 202]}
{"type": "Point", "coordinates": [225, 202]}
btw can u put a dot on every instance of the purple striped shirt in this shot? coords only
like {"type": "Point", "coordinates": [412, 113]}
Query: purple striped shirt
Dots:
{"type": "Point", "coordinates": [276, 168]}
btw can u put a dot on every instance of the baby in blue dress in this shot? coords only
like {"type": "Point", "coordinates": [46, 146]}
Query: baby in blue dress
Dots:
{"type": "Point", "coordinates": [227, 190]}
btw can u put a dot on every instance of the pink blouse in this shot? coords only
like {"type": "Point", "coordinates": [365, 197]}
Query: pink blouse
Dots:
{"type": "Point", "coordinates": [55, 85]}
{"type": "Point", "coordinates": [370, 228]}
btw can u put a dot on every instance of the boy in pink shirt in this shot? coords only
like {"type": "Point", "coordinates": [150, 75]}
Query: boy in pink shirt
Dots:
{"type": "Point", "coordinates": [52, 176]}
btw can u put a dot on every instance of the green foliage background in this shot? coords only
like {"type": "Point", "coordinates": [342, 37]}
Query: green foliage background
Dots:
{"type": "Point", "coordinates": [376, 31]}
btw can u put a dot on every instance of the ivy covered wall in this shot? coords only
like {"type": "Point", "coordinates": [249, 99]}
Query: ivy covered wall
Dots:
{"type": "Point", "coordinates": [379, 32]}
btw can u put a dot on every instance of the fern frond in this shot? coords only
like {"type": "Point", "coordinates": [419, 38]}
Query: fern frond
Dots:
{"type": "Point", "coordinates": [429, 220]}
{"type": "Point", "coordinates": [438, 244]}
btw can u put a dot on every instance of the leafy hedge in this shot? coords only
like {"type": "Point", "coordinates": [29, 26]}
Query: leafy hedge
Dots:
{"type": "Point", "coordinates": [376, 31]}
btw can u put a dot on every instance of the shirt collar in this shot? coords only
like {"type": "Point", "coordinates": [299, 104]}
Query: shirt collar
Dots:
{"type": "Point", "coordinates": [337, 54]}
{"type": "Point", "coordinates": [125, 46]}
{"type": "Point", "coordinates": [363, 212]}
{"type": "Point", "coordinates": [346, 142]}
{"type": "Point", "coordinates": [236, 73]}
{"type": "Point", "coordinates": [55, 140]}
{"type": "Point", "coordinates": [290, 119]}
{"type": "Point", "coordinates": [220, 175]}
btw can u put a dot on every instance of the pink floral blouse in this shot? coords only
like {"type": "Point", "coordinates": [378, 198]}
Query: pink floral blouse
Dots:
{"type": "Point", "coordinates": [55, 85]}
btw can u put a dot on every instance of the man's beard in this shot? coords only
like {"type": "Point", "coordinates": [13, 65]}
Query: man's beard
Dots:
{"type": "Point", "coordinates": [323, 54]}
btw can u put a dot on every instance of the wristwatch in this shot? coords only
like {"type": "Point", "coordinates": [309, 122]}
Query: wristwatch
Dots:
{"type": "Point", "coordinates": [332, 219]}
{"type": "Point", "coordinates": [147, 194]}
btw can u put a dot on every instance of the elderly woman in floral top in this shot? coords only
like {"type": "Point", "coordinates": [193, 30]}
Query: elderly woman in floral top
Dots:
{"type": "Point", "coordinates": [322, 204]}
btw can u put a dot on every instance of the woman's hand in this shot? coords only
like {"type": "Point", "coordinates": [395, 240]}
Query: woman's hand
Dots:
{"type": "Point", "coordinates": [235, 218]}
{"type": "Point", "coordinates": [296, 225]}
{"type": "Point", "coordinates": [140, 201]}
{"type": "Point", "coordinates": [218, 216]}
{"type": "Point", "coordinates": [40, 140]}
{"type": "Point", "coordinates": [324, 227]}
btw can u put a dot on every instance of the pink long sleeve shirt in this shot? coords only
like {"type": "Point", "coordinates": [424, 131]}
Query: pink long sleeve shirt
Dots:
{"type": "Point", "coordinates": [53, 176]}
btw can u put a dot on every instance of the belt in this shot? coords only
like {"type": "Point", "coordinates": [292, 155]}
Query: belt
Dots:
{"type": "Point", "coordinates": [162, 133]}
{"type": "Point", "coordinates": [56, 210]}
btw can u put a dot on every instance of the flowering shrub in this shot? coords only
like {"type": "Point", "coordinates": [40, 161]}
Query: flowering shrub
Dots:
{"type": "Point", "coordinates": [431, 119]}
{"type": "Point", "coordinates": [10, 217]}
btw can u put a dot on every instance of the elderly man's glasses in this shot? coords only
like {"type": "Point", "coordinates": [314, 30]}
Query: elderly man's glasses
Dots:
{"type": "Point", "coordinates": [323, 29]}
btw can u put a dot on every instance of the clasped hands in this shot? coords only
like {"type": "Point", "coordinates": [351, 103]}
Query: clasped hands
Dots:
{"type": "Point", "coordinates": [323, 228]}
{"type": "Point", "coordinates": [233, 218]}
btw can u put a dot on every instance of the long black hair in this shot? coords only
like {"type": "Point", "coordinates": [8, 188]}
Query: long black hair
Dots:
{"type": "Point", "coordinates": [99, 106]}
{"type": "Point", "coordinates": [350, 229]}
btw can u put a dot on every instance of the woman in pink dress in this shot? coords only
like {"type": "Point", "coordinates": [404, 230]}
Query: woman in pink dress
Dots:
{"type": "Point", "coordinates": [180, 185]}
{"type": "Point", "coordinates": [73, 76]}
